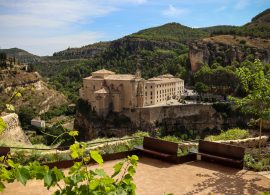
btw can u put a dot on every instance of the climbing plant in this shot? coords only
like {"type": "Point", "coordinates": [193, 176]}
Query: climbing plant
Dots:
{"type": "Point", "coordinates": [80, 179]}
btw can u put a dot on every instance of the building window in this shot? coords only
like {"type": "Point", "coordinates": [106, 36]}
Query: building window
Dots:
{"type": "Point", "coordinates": [151, 102]}
{"type": "Point", "coordinates": [151, 93]}
{"type": "Point", "coordinates": [94, 87]}
{"type": "Point", "coordinates": [145, 93]}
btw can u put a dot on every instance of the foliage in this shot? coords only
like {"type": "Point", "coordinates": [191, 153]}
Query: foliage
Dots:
{"type": "Point", "coordinates": [58, 111]}
{"type": "Point", "coordinates": [79, 180]}
{"type": "Point", "coordinates": [221, 79]}
{"type": "Point", "coordinates": [57, 134]}
{"type": "Point", "coordinates": [26, 114]}
{"type": "Point", "coordinates": [2, 125]}
{"type": "Point", "coordinates": [231, 134]}
{"type": "Point", "coordinates": [3, 60]}
{"type": "Point", "coordinates": [256, 82]}
{"type": "Point", "coordinates": [258, 27]}
{"type": "Point", "coordinates": [171, 138]}
{"type": "Point", "coordinates": [201, 87]}
{"type": "Point", "coordinates": [256, 162]}
{"type": "Point", "coordinates": [171, 32]}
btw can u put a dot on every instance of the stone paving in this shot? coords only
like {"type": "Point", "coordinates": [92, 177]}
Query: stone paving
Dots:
{"type": "Point", "coordinates": [155, 177]}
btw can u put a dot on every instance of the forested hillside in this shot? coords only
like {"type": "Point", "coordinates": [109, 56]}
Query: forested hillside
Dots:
{"type": "Point", "coordinates": [159, 50]}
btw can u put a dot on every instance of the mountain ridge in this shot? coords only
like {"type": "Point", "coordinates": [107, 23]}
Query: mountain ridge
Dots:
{"type": "Point", "coordinates": [166, 32]}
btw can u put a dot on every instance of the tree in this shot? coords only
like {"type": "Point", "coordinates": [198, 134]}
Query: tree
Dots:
{"type": "Point", "coordinates": [201, 87]}
{"type": "Point", "coordinates": [256, 82]}
{"type": "Point", "coordinates": [3, 59]}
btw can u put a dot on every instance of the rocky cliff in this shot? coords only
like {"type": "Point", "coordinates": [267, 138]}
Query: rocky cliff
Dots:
{"type": "Point", "coordinates": [35, 92]}
{"type": "Point", "coordinates": [227, 50]}
{"type": "Point", "coordinates": [13, 133]}
{"type": "Point", "coordinates": [82, 52]}
{"type": "Point", "coordinates": [197, 117]}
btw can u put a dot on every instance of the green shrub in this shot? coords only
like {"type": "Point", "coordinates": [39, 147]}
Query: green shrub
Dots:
{"type": "Point", "coordinates": [257, 163]}
{"type": "Point", "coordinates": [231, 134]}
{"type": "Point", "coordinates": [171, 138]}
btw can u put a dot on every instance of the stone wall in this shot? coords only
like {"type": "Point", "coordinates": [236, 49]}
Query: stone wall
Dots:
{"type": "Point", "coordinates": [246, 143]}
{"type": "Point", "coordinates": [13, 132]}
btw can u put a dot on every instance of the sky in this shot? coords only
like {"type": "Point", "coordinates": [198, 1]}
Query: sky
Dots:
{"type": "Point", "coordinates": [43, 27]}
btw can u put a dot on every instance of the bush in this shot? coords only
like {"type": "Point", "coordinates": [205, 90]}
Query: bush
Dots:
{"type": "Point", "coordinates": [58, 111]}
{"type": "Point", "coordinates": [256, 163]}
{"type": "Point", "coordinates": [26, 114]}
{"type": "Point", "coordinates": [171, 138]}
{"type": "Point", "coordinates": [231, 134]}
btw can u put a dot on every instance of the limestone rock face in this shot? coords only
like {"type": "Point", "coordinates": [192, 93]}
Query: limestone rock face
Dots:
{"type": "Point", "coordinates": [13, 132]}
{"type": "Point", "coordinates": [197, 117]}
{"type": "Point", "coordinates": [225, 50]}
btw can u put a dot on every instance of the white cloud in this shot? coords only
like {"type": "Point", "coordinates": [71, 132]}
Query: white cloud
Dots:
{"type": "Point", "coordinates": [51, 13]}
{"type": "Point", "coordinates": [46, 26]}
{"type": "Point", "coordinates": [173, 12]}
{"type": "Point", "coordinates": [241, 4]}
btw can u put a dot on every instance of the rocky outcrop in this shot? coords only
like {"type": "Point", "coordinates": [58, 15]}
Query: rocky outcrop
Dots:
{"type": "Point", "coordinates": [83, 52]}
{"type": "Point", "coordinates": [91, 126]}
{"type": "Point", "coordinates": [13, 133]}
{"type": "Point", "coordinates": [197, 117]}
{"type": "Point", "coordinates": [226, 50]}
{"type": "Point", "coordinates": [132, 44]}
{"type": "Point", "coordinates": [126, 44]}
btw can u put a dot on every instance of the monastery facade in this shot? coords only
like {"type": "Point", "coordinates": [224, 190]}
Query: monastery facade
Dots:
{"type": "Point", "coordinates": [107, 91]}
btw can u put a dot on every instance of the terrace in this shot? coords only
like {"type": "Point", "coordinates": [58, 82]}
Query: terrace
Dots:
{"type": "Point", "coordinates": [158, 177]}
{"type": "Point", "coordinates": [182, 174]}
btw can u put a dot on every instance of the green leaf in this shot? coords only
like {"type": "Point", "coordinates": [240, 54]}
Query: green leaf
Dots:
{"type": "Point", "coordinates": [2, 125]}
{"type": "Point", "coordinates": [48, 179]}
{"type": "Point", "coordinates": [131, 170]}
{"type": "Point", "coordinates": [10, 107]}
{"type": "Point", "coordinates": [93, 184]}
{"type": "Point", "coordinates": [96, 156]}
{"type": "Point", "coordinates": [2, 186]}
{"type": "Point", "coordinates": [73, 133]}
{"type": "Point", "coordinates": [100, 172]}
{"type": "Point", "coordinates": [58, 174]}
{"type": "Point", "coordinates": [22, 175]}
{"type": "Point", "coordinates": [17, 94]}
{"type": "Point", "coordinates": [117, 168]}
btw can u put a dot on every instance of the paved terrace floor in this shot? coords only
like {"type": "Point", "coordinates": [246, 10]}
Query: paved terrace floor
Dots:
{"type": "Point", "coordinates": [155, 177]}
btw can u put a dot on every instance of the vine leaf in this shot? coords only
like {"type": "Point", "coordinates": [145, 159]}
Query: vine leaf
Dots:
{"type": "Point", "coordinates": [2, 125]}
{"type": "Point", "coordinates": [117, 168]}
{"type": "Point", "coordinates": [96, 156]}
{"type": "Point", "coordinates": [2, 187]}
{"type": "Point", "coordinates": [48, 179]}
{"type": "Point", "coordinates": [22, 175]}
{"type": "Point", "coordinates": [73, 133]}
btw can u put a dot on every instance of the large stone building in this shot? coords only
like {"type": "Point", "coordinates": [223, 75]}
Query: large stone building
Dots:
{"type": "Point", "coordinates": [107, 91]}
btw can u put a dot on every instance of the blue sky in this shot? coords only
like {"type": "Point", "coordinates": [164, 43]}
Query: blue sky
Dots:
{"type": "Point", "coordinates": [46, 26]}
